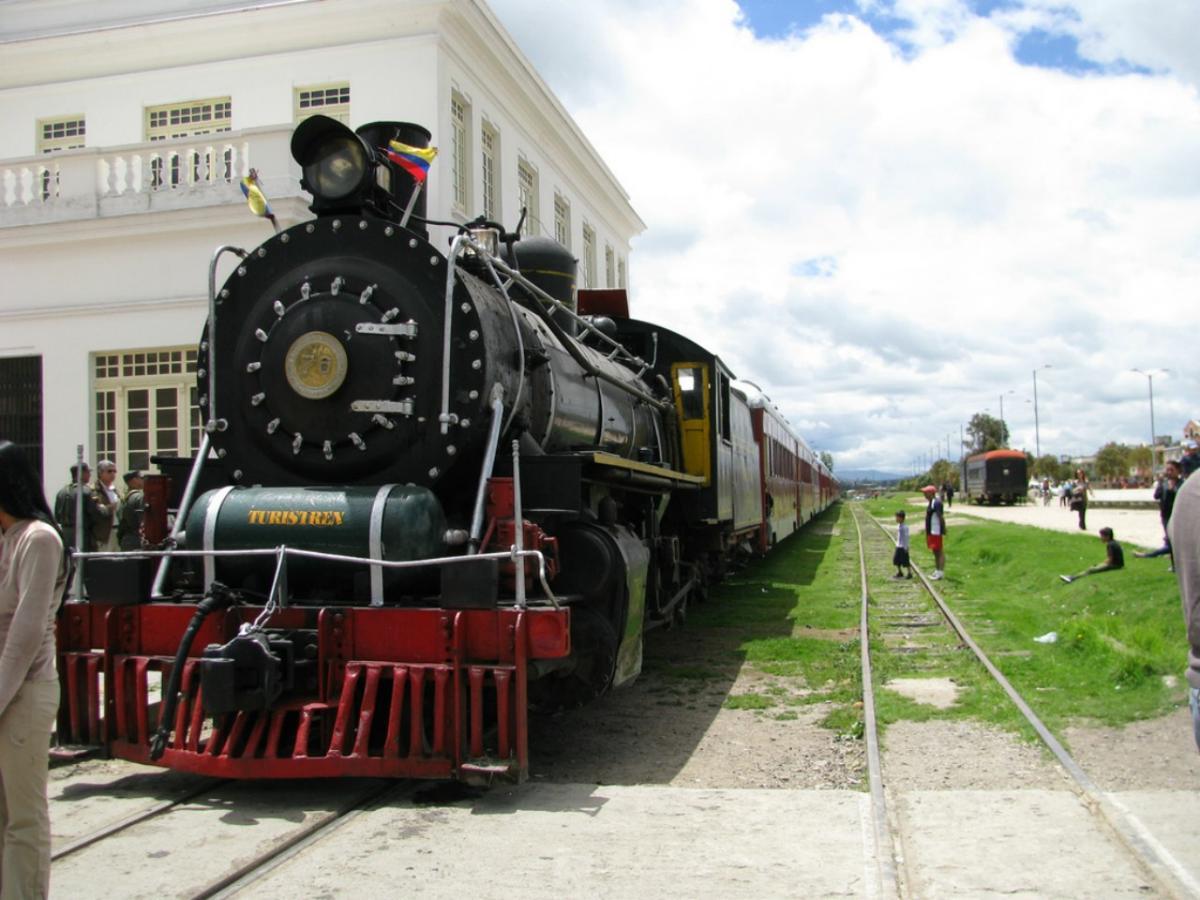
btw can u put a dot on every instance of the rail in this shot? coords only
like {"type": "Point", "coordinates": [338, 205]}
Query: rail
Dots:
{"type": "Point", "coordinates": [282, 552]}
{"type": "Point", "coordinates": [1157, 863]}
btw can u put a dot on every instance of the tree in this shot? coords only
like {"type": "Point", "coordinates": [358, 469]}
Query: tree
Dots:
{"type": "Point", "coordinates": [1048, 466]}
{"type": "Point", "coordinates": [1112, 461]}
{"type": "Point", "coordinates": [986, 433]}
{"type": "Point", "coordinates": [1140, 459]}
{"type": "Point", "coordinates": [943, 472]}
{"type": "Point", "coordinates": [827, 458]}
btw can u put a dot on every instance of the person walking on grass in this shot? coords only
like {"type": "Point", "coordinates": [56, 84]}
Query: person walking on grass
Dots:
{"type": "Point", "coordinates": [1079, 497]}
{"type": "Point", "coordinates": [900, 558]}
{"type": "Point", "coordinates": [1114, 558]}
{"type": "Point", "coordinates": [935, 530]}
{"type": "Point", "coordinates": [1165, 492]}
{"type": "Point", "coordinates": [1185, 540]}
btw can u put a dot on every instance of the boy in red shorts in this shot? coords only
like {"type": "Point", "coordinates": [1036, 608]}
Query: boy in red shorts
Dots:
{"type": "Point", "coordinates": [935, 530]}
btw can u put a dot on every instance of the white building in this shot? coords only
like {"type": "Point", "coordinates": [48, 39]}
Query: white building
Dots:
{"type": "Point", "coordinates": [126, 128]}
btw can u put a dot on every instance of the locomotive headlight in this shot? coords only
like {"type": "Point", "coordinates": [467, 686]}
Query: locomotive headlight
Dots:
{"type": "Point", "coordinates": [339, 169]}
{"type": "Point", "coordinates": [338, 165]}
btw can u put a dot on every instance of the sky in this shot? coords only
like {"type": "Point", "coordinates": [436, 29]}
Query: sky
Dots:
{"type": "Point", "coordinates": [890, 213]}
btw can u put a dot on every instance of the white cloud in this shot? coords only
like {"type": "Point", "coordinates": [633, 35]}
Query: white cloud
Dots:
{"type": "Point", "coordinates": [886, 240]}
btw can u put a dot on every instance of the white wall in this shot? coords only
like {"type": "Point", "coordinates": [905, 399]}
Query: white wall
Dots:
{"type": "Point", "coordinates": [93, 281]}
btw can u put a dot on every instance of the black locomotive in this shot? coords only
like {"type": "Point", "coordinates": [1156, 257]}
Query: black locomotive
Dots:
{"type": "Point", "coordinates": [451, 487]}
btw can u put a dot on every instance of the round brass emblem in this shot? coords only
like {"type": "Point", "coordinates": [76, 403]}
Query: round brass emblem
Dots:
{"type": "Point", "coordinates": [315, 365]}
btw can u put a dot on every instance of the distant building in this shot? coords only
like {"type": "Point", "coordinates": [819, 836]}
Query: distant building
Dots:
{"type": "Point", "coordinates": [127, 127]}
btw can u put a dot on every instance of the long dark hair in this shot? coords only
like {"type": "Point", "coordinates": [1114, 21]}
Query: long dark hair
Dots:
{"type": "Point", "coordinates": [21, 494]}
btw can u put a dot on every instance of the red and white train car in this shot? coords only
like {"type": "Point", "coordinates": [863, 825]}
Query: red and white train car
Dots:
{"type": "Point", "coordinates": [795, 484]}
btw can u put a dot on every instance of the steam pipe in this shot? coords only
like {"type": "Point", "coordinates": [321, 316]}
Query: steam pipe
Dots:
{"type": "Point", "coordinates": [485, 472]}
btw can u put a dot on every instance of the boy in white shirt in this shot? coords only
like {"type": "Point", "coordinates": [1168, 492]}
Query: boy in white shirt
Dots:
{"type": "Point", "coordinates": [900, 557]}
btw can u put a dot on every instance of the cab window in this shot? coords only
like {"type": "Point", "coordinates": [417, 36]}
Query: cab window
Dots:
{"type": "Point", "coordinates": [691, 391]}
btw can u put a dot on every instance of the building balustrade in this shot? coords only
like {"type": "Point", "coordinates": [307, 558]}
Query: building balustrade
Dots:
{"type": "Point", "coordinates": [155, 176]}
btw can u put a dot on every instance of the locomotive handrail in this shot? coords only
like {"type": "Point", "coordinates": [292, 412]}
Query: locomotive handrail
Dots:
{"type": "Point", "coordinates": [512, 555]}
{"type": "Point", "coordinates": [569, 344]}
{"type": "Point", "coordinates": [185, 505]}
{"type": "Point", "coordinates": [446, 418]}
{"type": "Point", "coordinates": [485, 471]}
{"type": "Point", "coordinates": [619, 351]}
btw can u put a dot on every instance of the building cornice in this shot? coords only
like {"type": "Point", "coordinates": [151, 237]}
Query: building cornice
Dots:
{"type": "Point", "coordinates": [470, 33]}
{"type": "Point", "coordinates": [216, 36]}
{"type": "Point", "coordinates": [67, 311]}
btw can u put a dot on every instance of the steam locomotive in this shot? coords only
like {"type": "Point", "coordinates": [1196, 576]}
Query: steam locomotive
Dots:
{"type": "Point", "coordinates": [446, 488]}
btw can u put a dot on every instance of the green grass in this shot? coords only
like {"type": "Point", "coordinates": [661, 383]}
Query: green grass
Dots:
{"type": "Point", "coordinates": [794, 614]}
{"type": "Point", "coordinates": [1119, 633]}
{"type": "Point", "coordinates": [807, 584]}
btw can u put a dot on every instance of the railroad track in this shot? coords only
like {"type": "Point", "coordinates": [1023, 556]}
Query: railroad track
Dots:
{"type": "Point", "coordinates": [205, 861]}
{"type": "Point", "coordinates": [920, 621]}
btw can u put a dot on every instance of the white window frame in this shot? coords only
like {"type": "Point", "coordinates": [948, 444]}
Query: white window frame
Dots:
{"type": "Point", "coordinates": [589, 256]}
{"type": "Point", "coordinates": [188, 118]}
{"type": "Point", "coordinates": [460, 153]}
{"type": "Point", "coordinates": [332, 99]}
{"type": "Point", "coordinates": [621, 274]}
{"type": "Point", "coordinates": [65, 133]}
{"type": "Point", "coordinates": [118, 378]}
{"type": "Point", "coordinates": [562, 220]}
{"type": "Point", "coordinates": [527, 195]}
{"type": "Point", "coordinates": [610, 266]}
{"type": "Point", "coordinates": [489, 170]}
{"type": "Point", "coordinates": [191, 118]}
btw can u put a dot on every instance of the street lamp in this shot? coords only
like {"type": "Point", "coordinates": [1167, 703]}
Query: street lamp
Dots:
{"type": "Point", "coordinates": [1150, 384]}
{"type": "Point", "coordinates": [1002, 426]}
{"type": "Point", "coordinates": [1037, 437]}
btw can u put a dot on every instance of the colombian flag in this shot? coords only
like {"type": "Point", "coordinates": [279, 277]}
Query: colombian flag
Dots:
{"type": "Point", "coordinates": [256, 199]}
{"type": "Point", "coordinates": [413, 160]}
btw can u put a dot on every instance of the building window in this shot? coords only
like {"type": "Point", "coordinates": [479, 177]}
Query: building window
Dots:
{"type": "Point", "coordinates": [173, 168]}
{"type": "Point", "coordinates": [527, 195]}
{"type": "Point", "coordinates": [589, 256]}
{"type": "Point", "coordinates": [621, 273]}
{"type": "Point", "coordinates": [146, 404]}
{"type": "Point", "coordinates": [194, 117]}
{"type": "Point", "coordinates": [610, 267]}
{"type": "Point", "coordinates": [61, 134]}
{"type": "Point", "coordinates": [562, 220]}
{"type": "Point", "coordinates": [331, 100]}
{"type": "Point", "coordinates": [21, 404]}
{"type": "Point", "coordinates": [489, 145]}
{"type": "Point", "coordinates": [67, 133]}
{"type": "Point", "coordinates": [460, 121]}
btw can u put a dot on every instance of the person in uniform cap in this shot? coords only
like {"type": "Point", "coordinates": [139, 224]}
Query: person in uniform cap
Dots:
{"type": "Point", "coordinates": [935, 530]}
{"type": "Point", "coordinates": [133, 509]}
{"type": "Point", "coordinates": [93, 512]}
{"type": "Point", "coordinates": [107, 496]}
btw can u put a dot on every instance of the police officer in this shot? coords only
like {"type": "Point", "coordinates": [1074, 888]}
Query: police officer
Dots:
{"type": "Point", "coordinates": [133, 509]}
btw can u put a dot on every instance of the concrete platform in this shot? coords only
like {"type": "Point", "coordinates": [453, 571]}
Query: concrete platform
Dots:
{"type": "Point", "coordinates": [1139, 528]}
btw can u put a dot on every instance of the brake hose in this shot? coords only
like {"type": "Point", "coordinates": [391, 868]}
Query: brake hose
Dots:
{"type": "Point", "coordinates": [219, 597]}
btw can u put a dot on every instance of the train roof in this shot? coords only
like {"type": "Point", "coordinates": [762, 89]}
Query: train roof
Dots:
{"type": "Point", "coordinates": [998, 454]}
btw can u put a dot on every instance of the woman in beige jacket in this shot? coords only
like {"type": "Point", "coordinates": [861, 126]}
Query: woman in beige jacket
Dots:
{"type": "Point", "coordinates": [33, 573]}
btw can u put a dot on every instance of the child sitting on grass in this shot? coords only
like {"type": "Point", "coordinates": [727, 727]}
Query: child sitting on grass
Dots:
{"type": "Point", "coordinates": [900, 557]}
{"type": "Point", "coordinates": [1114, 558]}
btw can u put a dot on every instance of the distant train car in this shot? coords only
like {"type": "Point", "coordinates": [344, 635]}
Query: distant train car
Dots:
{"type": "Point", "coordinates": [795, 484]}
{"type": "Point", "coordinates": [997, 476]}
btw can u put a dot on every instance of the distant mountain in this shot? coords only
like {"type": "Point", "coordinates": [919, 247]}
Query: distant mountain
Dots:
{"type": "Point", "coordinates": [878, 476]}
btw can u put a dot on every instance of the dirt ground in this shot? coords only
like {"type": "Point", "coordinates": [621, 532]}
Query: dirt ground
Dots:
{"type": "Point", "coordinates": [672, 727]}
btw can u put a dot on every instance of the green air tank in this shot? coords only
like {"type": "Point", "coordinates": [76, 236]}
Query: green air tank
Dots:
{"type": "Point", "coordinates": [390, 522]}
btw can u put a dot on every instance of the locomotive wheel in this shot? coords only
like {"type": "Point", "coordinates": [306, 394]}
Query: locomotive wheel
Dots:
{"type": "Point", "coordinates": [594, 649]}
